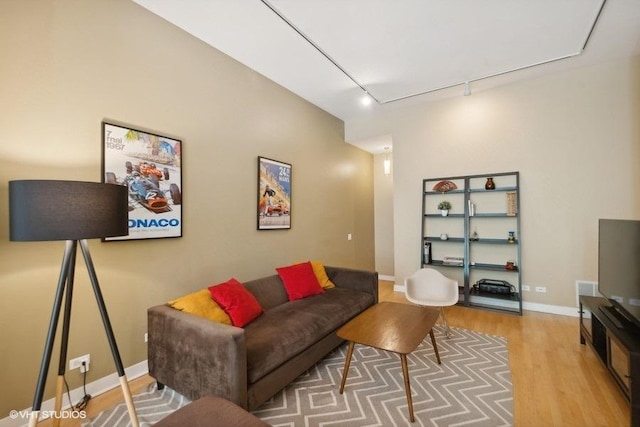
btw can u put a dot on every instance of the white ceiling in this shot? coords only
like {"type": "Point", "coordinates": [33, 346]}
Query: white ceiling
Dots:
{"type": "Point", "coordinates": [404, 52]}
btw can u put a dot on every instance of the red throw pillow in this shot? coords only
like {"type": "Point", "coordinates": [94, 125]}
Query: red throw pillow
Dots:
{"type": "Point", "coordinates": [241, 306]}
{"type": "Point", "coordinates": [299, 281]}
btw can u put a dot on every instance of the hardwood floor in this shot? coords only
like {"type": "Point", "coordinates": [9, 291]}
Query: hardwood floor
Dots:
{"type": "Point", "coordinates": [99, 403]}
{"type": "Point", "coordinates": [557, 381]}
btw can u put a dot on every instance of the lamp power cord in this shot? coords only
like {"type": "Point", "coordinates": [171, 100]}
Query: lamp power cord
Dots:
{"type": "Point", "coordinates": [84, 401]}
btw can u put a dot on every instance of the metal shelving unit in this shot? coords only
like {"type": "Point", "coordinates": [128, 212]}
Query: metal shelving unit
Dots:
{"type": "Point", "coordinates": [493, 254]}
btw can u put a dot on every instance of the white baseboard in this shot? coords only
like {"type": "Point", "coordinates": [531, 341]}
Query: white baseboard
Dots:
{"type": "Point", "coordinates": [387, 278]}
{"type": "Point", "coordinates": [530, 306]}
{"type": "Point", "coordinates": [551, 309]}
{"type": "Point", "coordinates": [94, 388]}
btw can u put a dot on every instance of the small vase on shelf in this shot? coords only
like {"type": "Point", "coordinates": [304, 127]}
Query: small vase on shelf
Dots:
{"type": "Point", "coordinates": [490, 185]}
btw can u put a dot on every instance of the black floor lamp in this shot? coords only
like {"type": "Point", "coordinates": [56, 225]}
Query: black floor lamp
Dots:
{"type": "Point", "coordinates": [46, 210]}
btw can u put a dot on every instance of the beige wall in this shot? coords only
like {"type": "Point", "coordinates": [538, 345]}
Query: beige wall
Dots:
{"type": "Point", "coordinates": [383, 202]}
{"type": "Point", "coordinates": [574, 137]}
{"type": "Point", "coordinates": [68, 65]}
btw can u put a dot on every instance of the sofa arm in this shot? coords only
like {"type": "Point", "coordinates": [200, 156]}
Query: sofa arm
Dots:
{"type": "Point", "coordinates": [195, 356]}
{"type": "Point", "coordinates": [360, 280]}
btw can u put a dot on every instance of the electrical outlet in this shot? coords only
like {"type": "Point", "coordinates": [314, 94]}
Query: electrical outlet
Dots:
{"type": "Point", "coordinates": [541, 289]}
{"type": "Point", "coordinates": [526, 288]}
{"type": "Point", "coordinates": [77, 363]}
{"type": "Point", "coordinates": [146, 337]}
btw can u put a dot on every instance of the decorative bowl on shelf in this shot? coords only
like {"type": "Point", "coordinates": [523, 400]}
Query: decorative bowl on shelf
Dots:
{"type": "Point", "coordinates": [444, 186]}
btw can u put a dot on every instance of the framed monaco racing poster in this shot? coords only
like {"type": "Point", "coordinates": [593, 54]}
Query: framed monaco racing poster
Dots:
{"type": "Point", "coordinates": [274, 194]}
{"type": "Point", "coordinates": [150, 166]}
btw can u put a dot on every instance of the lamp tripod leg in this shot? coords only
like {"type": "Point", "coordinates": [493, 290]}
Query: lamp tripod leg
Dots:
{"type": "Point", "coordinates": [58, 403]}
{"type": "Point", "coordinates": [66, 322]}
{"type": "Point", "coordinates": [109, 331]}
{"type": "Point", "coordinates": [51, 334]}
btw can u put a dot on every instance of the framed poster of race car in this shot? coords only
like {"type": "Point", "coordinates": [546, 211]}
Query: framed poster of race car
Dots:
{"type": "Point", "coordinates": [274, 194]}
{"type": "Point", "coordinates": [150, 166]}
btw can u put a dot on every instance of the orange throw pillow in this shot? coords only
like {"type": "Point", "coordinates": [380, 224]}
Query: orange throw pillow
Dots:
{"type": "Point", "coordinates": [321, 275]}
{"type": "Point", "coordinates": [200, 304]}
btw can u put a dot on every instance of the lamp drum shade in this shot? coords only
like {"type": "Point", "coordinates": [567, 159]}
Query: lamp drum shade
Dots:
{"type": "Point", "coordinates": [45, 210]}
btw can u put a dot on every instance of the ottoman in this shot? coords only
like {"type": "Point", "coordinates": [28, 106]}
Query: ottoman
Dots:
{"type": "Point", "coordinates": [211, 411]}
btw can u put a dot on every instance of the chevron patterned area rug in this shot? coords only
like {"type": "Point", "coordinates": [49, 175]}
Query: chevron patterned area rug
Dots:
{"type": "Point", "coordinates": [151, 406]}
{"type": "Point", "coordinates": [472, 387]}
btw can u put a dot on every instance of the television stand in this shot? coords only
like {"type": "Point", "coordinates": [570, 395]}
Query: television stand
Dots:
{"type": "Point", "coordinates": [611, 314]}
{"type": "Point", "coordinates": [618, 348]}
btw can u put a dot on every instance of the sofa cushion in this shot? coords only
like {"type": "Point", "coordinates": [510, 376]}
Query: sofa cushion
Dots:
{"type": "Point", "coordinates": [321, 275]}
{"type": "Point", "coordinates": [236, 301]}
{"type": "Point", "coordinates": [299, 281]}
{"type": "Point", "coordinates": [288, 329]}
{"type": "Point", "coordinates": [201, 304]}
{"type": "Point", "coordinates": [269, 291]}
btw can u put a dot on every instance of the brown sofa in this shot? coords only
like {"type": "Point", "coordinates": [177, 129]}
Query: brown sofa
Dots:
{"type": "Point", "coordinates": [197, 357]}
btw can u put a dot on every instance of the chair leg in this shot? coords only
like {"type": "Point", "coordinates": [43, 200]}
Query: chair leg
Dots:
{"type": "Point", "coordinates": [447, 329]}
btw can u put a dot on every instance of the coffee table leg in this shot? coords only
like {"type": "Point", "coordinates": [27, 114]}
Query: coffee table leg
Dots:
{"type": "Point", "coordinates": [407, 385]}
{"type": "Point", "coordinates": [347, 361]}
{"type": "Point", "coordinates": [435, 346]}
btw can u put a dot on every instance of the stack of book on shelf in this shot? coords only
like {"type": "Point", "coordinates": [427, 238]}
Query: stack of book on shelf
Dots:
{"type": "Point", "coordinates": [452, 260]}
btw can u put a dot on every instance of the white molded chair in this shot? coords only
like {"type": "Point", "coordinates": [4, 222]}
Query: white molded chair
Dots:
{"type": "Point", "coordinates": [428, 287]}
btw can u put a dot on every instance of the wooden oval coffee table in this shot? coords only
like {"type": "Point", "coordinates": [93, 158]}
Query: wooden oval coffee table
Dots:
{"type": "Point", "coordinates": [394, 327]}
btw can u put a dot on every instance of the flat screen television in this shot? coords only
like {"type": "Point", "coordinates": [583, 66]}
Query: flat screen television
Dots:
{"type": "Point", "coordinates": [619, 270]}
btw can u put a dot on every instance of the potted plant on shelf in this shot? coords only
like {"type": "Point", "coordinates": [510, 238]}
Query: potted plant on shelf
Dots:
{"type": "Point", "coordinates": [444, 207]}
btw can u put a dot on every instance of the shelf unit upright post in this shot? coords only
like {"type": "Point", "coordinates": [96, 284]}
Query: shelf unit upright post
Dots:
{"type": "Point", "coordinates": [467, 245]}
{"type": "Point", "coordinates": [492, 213]}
